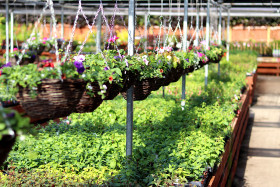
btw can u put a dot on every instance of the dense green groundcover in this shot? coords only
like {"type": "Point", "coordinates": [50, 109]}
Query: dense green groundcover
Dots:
{"type": "Point", "coordinates": [170, 144]}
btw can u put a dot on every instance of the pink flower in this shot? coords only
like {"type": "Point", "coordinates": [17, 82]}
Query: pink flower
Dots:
{"type": "Point", "coordinates": [44, 42]}
{"type": "Point", "coordinates": [113, 39]}
{"type": "Point", "coordinates": [33, 38]}
{"type": "Point", "coordinates": [146, 61]}
{"type": "Point", "coordinates": [199, 54]}
{"type": "Point", "coordinates": [15, 49]}
{"type": "Point", "coordinates": [79, 58]}
{"type": "Point", "coordinates": [45, 38]}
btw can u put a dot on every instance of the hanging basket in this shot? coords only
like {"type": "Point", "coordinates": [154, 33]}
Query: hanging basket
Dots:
{"type": "Point", "coordinates": [89, 103]}
{"type": "Point", "coordinates": [54, 98]}
{"type": "Point", "coordinates": [217, 60]}
{"type": "Point", "coordinates": [157, 83]}
{"type": "Point", "coordinates": [6, 145]}
{"type": "Point", "coordinates": [190, 69]}
{"type": "Point", "coordinates": [112, 91]}
{"type": "Point", "coordinates": [26, 60]}
{"type": "Point", "coordinates": [38, 50]}
{"type": "Point", "coordinates": [142, 89]}
{"type": "Point", "coordinates": [129, 79]}
{"type": "Point", "coordinates": [175, 74]}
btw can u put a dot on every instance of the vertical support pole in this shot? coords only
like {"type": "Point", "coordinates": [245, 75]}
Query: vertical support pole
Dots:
{"type": "Point", "coordinates": [7, 31]}
{"type": "Point", "coordinates": [185, 46]}
{"type": "Point", "coordinates": [228, 20]}
{"type": "Point", "coordinates": [220, 34]}
{"type": "Point", "coordinates": [207, 40]}
{"type": "Point", "coordinates": [98, 33]}
{"type": "Point", "coordinates": [129, 116]}
{"type": "Point", "coordinates": [62, 21]}
{"type": "Point", "coordinates": [163, 91]}
{"type": "Point", "coordinates": [197, 24]}
{"type": "Point", "coordinates": [12, 31]}
{"type": "Point", "coordinates": [224, 29]}
{"type": "Point", "coordinates": [146, 33]}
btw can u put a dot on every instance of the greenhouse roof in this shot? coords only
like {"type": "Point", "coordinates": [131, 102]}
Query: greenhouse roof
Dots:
{"type": "Point", "coordinates": [254, 8]}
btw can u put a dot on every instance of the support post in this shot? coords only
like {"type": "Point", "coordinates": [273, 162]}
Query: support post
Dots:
{"type": "Point", "coordinates": [220, 34]}
{"type": "Point", "coordinates": [7, 31]}
{"type": "Point", "coordinates": [129, 116]}
{"type": "Point", "coordinates": [98, 33]}
{"type": "Point", "coordinates": [12, 31]}
{"type": "Point", "coordinates": [146, 33]}
{"type": "Point", "coordinates": [207, 40]}
{"type": "Point", "coordinates": [185, 46]}
{"type": "Point", "coordinates": [62, 22]}
{"type": "Point", "coordinates": [228, 20]}
{"type": "Point", "coordinates": [197, 25]}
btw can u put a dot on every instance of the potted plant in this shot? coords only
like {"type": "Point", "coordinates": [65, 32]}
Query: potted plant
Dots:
{"type": "Point", "coordinates": [11, 125]}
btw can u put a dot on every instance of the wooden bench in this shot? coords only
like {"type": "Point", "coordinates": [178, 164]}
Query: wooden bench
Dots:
{"type": "Point", "coordinates": [268, 66]}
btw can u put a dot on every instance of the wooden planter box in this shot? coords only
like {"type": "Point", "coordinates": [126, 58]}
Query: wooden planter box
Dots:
{"type": "Point", "coordinates": [226, 170]}
{"type": "Point", "coordinates": [251, 82]}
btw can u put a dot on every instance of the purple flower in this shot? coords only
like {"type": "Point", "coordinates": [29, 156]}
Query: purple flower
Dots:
{"type": "Point", "coordinates": [106, 68]}
{"type": "Point", "coordinates": [117, 57]}
{"type": "Point", "coordinates": [11, 115]}
{"type": "Point", "coordinates": [187, 59]}
{"type": "Point", "coordinates": [6, 65]}
{"type": "Point", "coordinates": [79, 58]}
{"type": "Point", "coordinates": [80, 67]}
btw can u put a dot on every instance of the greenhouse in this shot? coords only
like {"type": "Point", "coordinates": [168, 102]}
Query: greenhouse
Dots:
{"type": "Point", "coordinates": [139, 93]}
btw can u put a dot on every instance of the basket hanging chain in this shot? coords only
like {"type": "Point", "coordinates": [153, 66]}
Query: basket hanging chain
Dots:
{"type": "Point", "coordinates": [25, 45]}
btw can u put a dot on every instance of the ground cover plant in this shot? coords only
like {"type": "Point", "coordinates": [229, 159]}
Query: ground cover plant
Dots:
{"type": "Point", "coordinates": [171, 144]}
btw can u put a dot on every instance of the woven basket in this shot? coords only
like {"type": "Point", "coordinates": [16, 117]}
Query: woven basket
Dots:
{"type": "Point", "coordinates": [189, 69]}
{"type": "Point", "coordinates": [157, 83]}
{"type": "Point", "coordinates": [217, 60]}
{"type": "Point", "coordinates": [112, 91]}
{"type": "Point", "coordinates": [142, 89]}
{"type": "Point", "coordinates": [89, 103]}
{"type": "Point", "coordinates": [54, 98]}
{"type": "Point", "coordinates": [175, 74]}
{"type": "Point", "coordinates": [39, 50]}
{"type": "Point", "coordinates": [6, 144]}
{"type": "Point", "coordinates": [26, 60]}
{"type": "Point", "coordinates": [129, 79]}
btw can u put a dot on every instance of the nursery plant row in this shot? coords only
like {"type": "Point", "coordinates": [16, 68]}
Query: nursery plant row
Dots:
{"type": "Point", "coordinates": [171, 145]}
{"type": "Point", "coordinates": [81, 83]}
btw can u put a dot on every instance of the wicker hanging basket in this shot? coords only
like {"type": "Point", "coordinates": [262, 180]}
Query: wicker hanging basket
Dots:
{"type": "Point", "coordinates": [6, 144]}
{"type": "Point", "coordinates": [175, 74]}
{"type": "Point", "coordinates": [142, 89]}
{"type": "Point", "coordinates": [54, 98]}
{"type": "Point", "coordinates": [129, 79]}
{"type": "Point", "coordinates": [112, 91]}
{"type": "Point", "coordinates": [89, 103]}
{"type": "Point", "coordinates": [217, 60]}
{"type": "Point", "coordinates": [157, 83]}
{"type": "Point", "coordinates": [26, 60]}
{"type": "Point", "coordinates": [189, 69]}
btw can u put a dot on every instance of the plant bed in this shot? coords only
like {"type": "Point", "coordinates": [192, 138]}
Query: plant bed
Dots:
{"type": "Point", "coordinates": [226, 168]}
{"type": "Point", "coordinates": [251, 82]}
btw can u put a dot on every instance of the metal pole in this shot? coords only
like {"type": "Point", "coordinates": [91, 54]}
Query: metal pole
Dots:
{"type": "Point", "coordinates": [207, 39]}
{"type": "Point", "coordinates": [197, 24]}
{"type": "Point", "coordinates": [51, 28]}
{"type": "Point", "coordinates": [220, 34]}
{"type": "Point", "coordinates": [146, 33]}
{"type": "Point", "coordinates": [62, 21]}
{"type": "Point", "coordinates": [7, 31]}
{"type": "Point", "coordinates": [228, 34]}
{"type": "Point", "coordinates": [129, 116]}
{"type": "Point", "coordinates": [12, 31]}
{"type": "Point", "coordinates": [98, 33]}
{"type": "Point", "coordinates": [185, 46]}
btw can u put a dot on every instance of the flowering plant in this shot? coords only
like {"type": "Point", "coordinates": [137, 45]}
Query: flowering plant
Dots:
{"type": "Point", "coordinates": [11, 122]}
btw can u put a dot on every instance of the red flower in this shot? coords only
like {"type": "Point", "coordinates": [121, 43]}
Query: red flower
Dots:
{"type": "Point", "coordinates": [63, 76]}
{"type": "Point", "coordinates": [161, 70]}
{"type": "Point", "coordinates": [111, 78]}
{"type": "Point", "coordinates": [49, 64]}
{"type": "Point", "coordinates": [0, 73]}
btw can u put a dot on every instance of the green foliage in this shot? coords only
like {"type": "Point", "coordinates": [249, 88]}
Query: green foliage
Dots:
{"type": "Point", "coordinates": [169, 144]}
{"type": "Point", "coordinates": [12, 121]}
